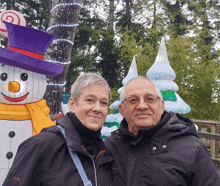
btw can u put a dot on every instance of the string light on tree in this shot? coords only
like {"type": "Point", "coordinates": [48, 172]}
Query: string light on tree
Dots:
{"type": "Point", "coordinates": [63, 40]}
{"type": "Point", "coordinates": [55, 84]}
{"type": "Point", "coordinates": [62, 63]}
{"type": "Point", "coordinates": [66, 4]}
{"type": "Point", "coordinates": [62, 25]}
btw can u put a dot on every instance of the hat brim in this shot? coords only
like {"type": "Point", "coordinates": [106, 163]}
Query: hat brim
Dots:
{"type": "Point", "coordinates": [19, 60]}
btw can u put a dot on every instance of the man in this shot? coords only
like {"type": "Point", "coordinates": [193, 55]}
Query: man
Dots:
{"type": "Point", "coordinates": [45, 160]}
{"type": "Point", "coordinates": [154, 147]}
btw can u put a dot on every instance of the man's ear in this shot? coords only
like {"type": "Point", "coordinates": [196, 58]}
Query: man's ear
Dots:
{"type": "Point", "coordinates": [162, 106]}
{"type": "Point", "coordinates": [72, 104]}
{"type": "Point", "coordinates": [121, 109]}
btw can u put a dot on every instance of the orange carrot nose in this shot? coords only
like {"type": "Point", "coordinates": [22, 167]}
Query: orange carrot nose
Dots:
{"type": "Point", "coordinates": [13, 86]}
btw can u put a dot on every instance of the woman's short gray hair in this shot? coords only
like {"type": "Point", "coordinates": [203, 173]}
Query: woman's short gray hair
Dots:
{"type": "Point", "coordinates": [123, 91]}
{"type": "Point", "coordinates": [87, 79]}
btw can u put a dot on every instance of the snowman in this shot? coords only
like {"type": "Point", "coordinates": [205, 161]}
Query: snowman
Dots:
{"type": "Point", "coordinates": [23, 82]}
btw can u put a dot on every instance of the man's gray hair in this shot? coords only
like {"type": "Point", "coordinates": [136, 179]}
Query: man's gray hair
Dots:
{"type": "Point", "coordinates": [87, 79]}
{"type": "Point", "coordinates": [123, 91]}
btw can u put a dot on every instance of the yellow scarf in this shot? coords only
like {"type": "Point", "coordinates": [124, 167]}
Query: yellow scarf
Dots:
{"type": "Point", "coordinates": [37, 112]}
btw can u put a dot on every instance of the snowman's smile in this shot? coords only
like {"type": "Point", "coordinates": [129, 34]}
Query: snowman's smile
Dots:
{"type": "Point", "coordinates": [15, 99]}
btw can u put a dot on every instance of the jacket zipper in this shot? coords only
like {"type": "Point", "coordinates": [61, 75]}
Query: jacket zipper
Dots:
{"type": "Point", "coordinates": [93, 162]}
{"type": "Point", "coordinates": [96, 183]}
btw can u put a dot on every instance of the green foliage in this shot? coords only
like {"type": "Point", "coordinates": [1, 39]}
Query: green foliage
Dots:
{"type": "Point", "coordinates": [196, 76]}
{"type": "Point", "coordinates": [144, 50]}
{"type": "Point", "coordinates": [108, 65]}
{"type": "Point", "coordinates": [94, 50]}
{"type": "Point", "coordinates": [178, 21]}
{"type": "Point", "coordinates": [83, 53]}
{"type": "Point", "coordinates": [128, 50]}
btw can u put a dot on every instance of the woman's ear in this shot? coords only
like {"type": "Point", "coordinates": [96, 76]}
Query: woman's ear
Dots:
{"type": "Point", "coordinates": [71, 104]}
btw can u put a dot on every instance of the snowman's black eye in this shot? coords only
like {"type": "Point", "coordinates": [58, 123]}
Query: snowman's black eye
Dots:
{"type": "Point", "coordinates": [4, 76]}
{"type": "Point", "coordinates": [24, 76]}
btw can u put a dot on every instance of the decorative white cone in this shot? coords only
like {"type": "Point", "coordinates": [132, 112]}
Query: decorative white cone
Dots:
{"type": "Point", "coordinates": [162, 74]}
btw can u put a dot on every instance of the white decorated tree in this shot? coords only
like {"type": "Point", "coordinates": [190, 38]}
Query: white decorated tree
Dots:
{"type": "Point", "coordinates": [113, 120]}
{"type": "Point", "coordinates": [162, 74]}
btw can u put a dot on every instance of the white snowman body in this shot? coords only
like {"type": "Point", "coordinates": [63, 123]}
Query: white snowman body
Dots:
{"type": "Point", "coordinates": [17, 86]}
{"type": "Point", "coordinates": [12, 133]}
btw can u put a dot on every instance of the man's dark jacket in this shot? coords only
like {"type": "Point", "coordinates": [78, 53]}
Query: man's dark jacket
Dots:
{"type": "Point", "coordinates": [44, 160]}
{"type": "Point", "coordinates": [168, 154]}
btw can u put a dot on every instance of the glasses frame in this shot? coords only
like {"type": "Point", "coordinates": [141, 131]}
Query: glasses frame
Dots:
{"type": "Point", "coordinates": [154, 101]}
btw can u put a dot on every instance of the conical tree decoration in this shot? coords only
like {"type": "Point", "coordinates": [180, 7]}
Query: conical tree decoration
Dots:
{"type": "Point", "coordinates": [162, 74]}
{"type": "Point", "coordinates": [132, 72]}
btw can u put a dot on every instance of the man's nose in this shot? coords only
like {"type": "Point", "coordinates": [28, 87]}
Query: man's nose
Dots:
{"type": "Point", "coordinates": [142, 104]}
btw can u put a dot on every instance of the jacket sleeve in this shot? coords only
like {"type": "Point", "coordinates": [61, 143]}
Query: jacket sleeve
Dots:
{"type": "Point", "coordinates": [204, 172]}
{"type": "Point", "coordinates": [25, 168]}
{"type": "Point", "coordinates": [119, 170]}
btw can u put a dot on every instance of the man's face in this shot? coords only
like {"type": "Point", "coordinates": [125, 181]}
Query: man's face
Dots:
{"type": "Point", "coordinates": [141, 115]}
{"type": "Point", "coordinates": [92, 106]}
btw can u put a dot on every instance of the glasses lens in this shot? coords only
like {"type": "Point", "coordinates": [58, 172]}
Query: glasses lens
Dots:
{"type": "Point", "coordinates": [147, 99]}
{"type": "Point", "coordinates": [150, 99]}
{"type": "Point", "coordinates": [132, 100]}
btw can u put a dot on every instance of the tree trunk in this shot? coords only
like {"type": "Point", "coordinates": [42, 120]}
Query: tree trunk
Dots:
{"type": "Point", "coordinates": [63, 13]}
{"type": "Point", "coordinates": [111, 16]}
{"type": "Point", "coordinates": [127, 2]}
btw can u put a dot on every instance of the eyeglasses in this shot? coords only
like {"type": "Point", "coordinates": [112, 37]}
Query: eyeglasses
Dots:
{"type": "Point", "coordinates": [148, 99]}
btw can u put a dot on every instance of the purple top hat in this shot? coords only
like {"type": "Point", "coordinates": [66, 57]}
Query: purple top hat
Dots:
{"type": "Point", "coordinates": [26, 49]}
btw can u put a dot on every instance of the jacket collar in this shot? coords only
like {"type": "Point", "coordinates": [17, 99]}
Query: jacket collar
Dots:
{"type": "Point", "coordinates": [75, 143]}
{"type": "Point", "coordinates": [170, 126]}
{"type": "Point", "coordinates": [142, 134]}
{"type": "Point", "coordinates": [73, 139]}
{"type": "Point", "coordinates": [88, 136]}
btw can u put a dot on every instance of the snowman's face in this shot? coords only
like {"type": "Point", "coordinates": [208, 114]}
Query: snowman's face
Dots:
{"type": "Point", "coordinates": [19, 86]}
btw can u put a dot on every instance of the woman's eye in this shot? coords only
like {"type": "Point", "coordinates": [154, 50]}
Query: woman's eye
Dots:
{"type": "Point", "coordinates": [104, 103]}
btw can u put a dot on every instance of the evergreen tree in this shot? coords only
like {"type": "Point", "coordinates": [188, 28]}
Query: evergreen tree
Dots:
{"type": "Point", "coordinates": [177, 20]}
{"type": "Point", "coordinates": [95, 50]}
{"type": "Point", "coordinates": [108, 65]}
{"type": "Point", "coordinates": [84, 53]}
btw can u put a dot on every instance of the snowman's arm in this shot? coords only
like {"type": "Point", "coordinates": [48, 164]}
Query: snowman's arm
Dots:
{"type": "Point", "coordinates": [26, 165]}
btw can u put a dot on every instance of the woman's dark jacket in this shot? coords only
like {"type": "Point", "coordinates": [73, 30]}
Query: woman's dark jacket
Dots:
{"type": "Point", "coordinates": [168, 154]}
{"type": "Point", "coordinates": [44, 160]}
